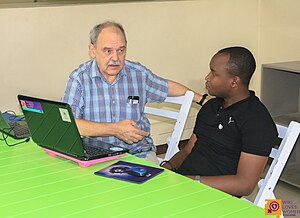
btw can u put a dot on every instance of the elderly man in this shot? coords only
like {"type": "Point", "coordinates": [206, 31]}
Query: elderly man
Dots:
{"type": "Point", "coordinates": [108, 93]}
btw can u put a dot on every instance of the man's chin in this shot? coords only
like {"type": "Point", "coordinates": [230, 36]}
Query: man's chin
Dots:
{"type": "Point", "coordinates": [208, 91]}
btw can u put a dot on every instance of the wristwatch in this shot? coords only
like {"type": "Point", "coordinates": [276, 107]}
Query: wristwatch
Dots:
{"type": "Point", "coordinates": [202, 99]}
{"type": "Point", "coordinates": [197, 178]}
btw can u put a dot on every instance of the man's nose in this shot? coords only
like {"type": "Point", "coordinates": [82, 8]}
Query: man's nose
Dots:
{"type": "Point", "coordinates": [115, 56]}
{"type": "Point", "coordinates": [207, 76]}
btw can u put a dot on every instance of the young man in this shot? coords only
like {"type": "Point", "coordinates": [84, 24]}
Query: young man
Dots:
{"type": "Point", "coordinates": [234, 133]}
{"type": "Point", "coordinates": [108, 93]}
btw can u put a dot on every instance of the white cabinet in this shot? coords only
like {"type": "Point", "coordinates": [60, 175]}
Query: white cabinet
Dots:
{"type": "Point", "coordinates": [280, 92]}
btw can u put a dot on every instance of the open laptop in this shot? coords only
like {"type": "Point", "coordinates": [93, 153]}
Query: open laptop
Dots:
{"type": "Point", "coordinates": [12, 126]}
{"type": "Point", "coordinates": [53, 127]}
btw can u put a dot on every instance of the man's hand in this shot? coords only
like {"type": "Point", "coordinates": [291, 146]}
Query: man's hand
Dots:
{"type": "Point", "coordinates": [127, 131]}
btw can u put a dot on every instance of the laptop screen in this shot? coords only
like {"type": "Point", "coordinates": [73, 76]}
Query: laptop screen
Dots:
{"type": "Point", "coordinates": [3, 124]}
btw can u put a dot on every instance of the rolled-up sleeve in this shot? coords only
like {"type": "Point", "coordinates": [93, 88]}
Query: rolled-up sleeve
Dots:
{"type": "Point", "coordinates": [73, 96]}
{"type": "Point", "coordinates": [157, 88]}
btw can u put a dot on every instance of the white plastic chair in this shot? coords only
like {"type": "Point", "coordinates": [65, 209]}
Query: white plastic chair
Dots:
{"type": "Point", "coordinates": [280, 156]}
{"type": "Point", "coordinates": [181, 116]}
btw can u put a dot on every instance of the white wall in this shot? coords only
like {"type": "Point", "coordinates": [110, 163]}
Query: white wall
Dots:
{"type": "Point", "coordinates": [280, 31]}
{"type": "Point", "coordinates": [41, 46]}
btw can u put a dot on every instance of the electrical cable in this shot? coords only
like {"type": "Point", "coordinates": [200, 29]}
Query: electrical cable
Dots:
{"type": "Point", "coordinates": [5, 136]}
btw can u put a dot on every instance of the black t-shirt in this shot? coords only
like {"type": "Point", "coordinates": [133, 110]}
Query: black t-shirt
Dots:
{"type": "Point", "coordinates": [222, 134]}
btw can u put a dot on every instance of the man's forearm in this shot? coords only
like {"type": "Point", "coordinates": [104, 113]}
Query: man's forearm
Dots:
{"type": "Point", "coordinates": [250, 168]}
{"type": "Point", "coordinates": [125, 130]}
{"type": "Point", "coordinates": [180, 156]}
{"type": "Point", "coordinates": [90, 128]}
{"type": "Point", "coordinates": [176, 161]}
{"type": "Point", "coordinates": [231, 184]}
{"type": "Point", "coordinates": [177, 89]}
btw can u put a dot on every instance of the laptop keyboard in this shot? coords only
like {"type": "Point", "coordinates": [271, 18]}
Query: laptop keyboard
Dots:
{"type": "Point", "coordinates": [19, 130]}
{"type": "Point", "coordinates": [95, 151]}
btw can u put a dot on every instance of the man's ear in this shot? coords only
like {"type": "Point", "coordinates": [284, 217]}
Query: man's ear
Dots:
{"type": "Point", "coordinates": [235, 81]}
{"type": "Point", "coordinates": [92, 51]}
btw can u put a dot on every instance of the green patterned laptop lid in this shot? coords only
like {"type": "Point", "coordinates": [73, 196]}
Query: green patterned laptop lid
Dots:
{"type": "Point", "coordinates": [52, 125]}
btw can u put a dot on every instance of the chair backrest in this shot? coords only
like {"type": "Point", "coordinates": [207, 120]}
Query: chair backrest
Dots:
{"type": "Point", "coordinates": [181, 116]}
{"type": "Point", "coordinates": [280, 156]}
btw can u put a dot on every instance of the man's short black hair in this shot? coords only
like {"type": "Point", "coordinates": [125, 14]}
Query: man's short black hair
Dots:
{"type": "Point", "coordinates": [241, 63]}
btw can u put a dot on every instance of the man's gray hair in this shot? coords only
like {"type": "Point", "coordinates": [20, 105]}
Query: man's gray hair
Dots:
{"type": "Point", "coordinates": [94, 33]}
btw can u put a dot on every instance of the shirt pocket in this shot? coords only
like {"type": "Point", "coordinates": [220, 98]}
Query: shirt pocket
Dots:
{"type": "Point", "coordinates": [133, 112]}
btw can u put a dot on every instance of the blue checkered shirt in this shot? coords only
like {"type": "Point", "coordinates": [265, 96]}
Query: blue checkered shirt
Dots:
{"type": "Point", "coordinates": [92, 98]}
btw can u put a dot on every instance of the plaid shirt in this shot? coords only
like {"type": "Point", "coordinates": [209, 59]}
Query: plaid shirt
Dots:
{"type": "Point", "coordinates": [91, 97]}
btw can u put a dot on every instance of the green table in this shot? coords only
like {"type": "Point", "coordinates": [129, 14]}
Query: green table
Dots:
{"type": "Point", "coordinates": [34, 184]}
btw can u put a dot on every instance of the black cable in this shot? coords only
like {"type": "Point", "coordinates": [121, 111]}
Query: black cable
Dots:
{"type": "Point", "coordinates": [5, 136]}
{"type": "Point", "coordinates": [7, 131]}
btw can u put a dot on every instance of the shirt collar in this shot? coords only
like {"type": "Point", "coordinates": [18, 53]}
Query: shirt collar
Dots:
{"type": "Point", "coordinates": [95, 70]}
{"type": "Point", "coordinates": [221, 101]}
